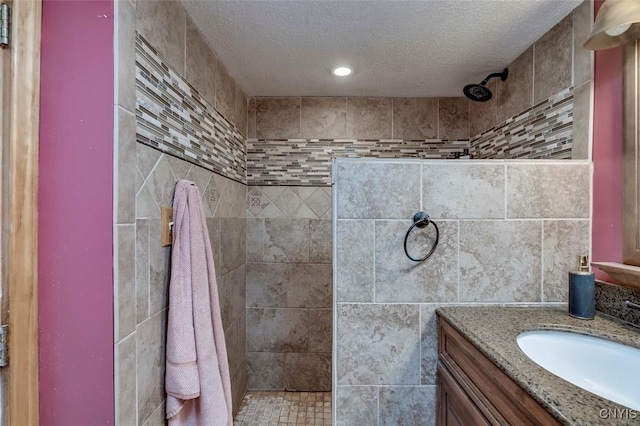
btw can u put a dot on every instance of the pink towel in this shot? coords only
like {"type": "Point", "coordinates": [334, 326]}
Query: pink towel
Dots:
{"type": "Point", "coordinates": [197, 376]}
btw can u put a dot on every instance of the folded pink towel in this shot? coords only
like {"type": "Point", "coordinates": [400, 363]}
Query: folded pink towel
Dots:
{"type": "Point", "coordinates": [197, 375]}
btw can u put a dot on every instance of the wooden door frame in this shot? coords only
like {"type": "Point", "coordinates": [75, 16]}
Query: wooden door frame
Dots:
{"type": "Point", "coordinates": [21, 222]}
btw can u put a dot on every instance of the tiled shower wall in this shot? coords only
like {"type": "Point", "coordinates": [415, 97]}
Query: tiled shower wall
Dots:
{"type": "Point", "coordinates": [543, 110]}
{"type": "Point", "coordinates": [509, 232]}
{"type": "Point", "coordinates": [144, 181]}
{"type": "Point", "coordinates": [289, 288]}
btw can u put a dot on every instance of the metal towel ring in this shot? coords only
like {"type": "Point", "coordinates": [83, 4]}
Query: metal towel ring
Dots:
{"type": "Point", "coordinates": [421, 220]}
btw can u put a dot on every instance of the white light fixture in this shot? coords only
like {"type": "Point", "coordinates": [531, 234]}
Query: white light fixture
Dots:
{"type": "Point", "coordinates": [618, 22]}
{"type": "Point", "coordinates": [341, 71]}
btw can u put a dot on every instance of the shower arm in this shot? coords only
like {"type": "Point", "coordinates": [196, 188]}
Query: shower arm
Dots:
{"type": "Point", "coordinates": [490, 76]}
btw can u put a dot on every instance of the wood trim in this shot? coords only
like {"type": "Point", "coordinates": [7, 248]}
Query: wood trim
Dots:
{"type": "Point", "coordinates": [631, 156]}
{"type": "Point", "coordinates": [22, 213]}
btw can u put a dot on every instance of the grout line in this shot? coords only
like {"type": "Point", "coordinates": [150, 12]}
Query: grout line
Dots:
{"type": "Point", "coordinates": [542, 261]}
{"type": "Point", "coordinates": [458, 262]}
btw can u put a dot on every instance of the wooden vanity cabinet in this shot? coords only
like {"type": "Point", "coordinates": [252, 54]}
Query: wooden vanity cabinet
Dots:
{"type": "Point", "coordinates": [472, 390]}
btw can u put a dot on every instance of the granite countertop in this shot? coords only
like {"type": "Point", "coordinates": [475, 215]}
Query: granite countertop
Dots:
{"type": "Point", "coordinates": [493, 330]}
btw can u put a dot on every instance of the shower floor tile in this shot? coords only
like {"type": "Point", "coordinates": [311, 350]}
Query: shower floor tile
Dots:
{"type": "Point", "coordinates": [284, 408]}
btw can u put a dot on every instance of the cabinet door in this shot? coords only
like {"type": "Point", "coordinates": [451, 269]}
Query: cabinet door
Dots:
{"type": "Point", "coordinates": [454, 406]}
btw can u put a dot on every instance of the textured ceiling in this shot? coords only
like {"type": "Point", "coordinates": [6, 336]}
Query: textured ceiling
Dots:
{"type": "Point", "coordinates": [396, 48]}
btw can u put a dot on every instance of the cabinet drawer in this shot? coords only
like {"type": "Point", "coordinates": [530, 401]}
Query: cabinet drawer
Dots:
{"type": "Point", "coordinates": [498, 397]}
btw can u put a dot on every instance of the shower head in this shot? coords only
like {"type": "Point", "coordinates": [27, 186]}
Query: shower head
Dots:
{"type": "Point", "coordinates": [480, 92]}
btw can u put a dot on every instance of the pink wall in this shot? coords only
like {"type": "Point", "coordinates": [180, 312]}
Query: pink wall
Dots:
{"type": "Point", "coordinates": [607, 157]}
{"type": "Point", "coordinates": [75, 214]}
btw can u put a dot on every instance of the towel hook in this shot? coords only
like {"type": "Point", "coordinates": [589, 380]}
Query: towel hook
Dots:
{"type": "Point", "coordinates": [421, 220]}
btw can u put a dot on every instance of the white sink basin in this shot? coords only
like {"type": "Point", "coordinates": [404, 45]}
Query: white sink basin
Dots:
{"type": "Point", "coordinates": [605, 368]}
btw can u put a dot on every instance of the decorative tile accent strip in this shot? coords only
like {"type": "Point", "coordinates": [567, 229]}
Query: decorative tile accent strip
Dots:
{"type": "Point", "coordinates": [172, 117]}
{"type": "Point", "coordinates": [307, 162]}
{"type": "Point", "coordinates": [610, 300]}
{"type": "Point", "coordinates": [541, 132]}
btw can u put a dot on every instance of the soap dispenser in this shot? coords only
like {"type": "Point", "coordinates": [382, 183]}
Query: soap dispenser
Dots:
{"type": "Point", "coordinates": [582, 301]}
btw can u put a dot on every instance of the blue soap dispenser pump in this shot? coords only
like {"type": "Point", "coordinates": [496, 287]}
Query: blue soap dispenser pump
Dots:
{"type": "Point", "coordinates": [582, 287]}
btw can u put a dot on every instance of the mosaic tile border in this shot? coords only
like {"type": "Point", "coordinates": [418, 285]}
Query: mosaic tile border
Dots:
{"type": "Point", "coordinates": [307, 162]}
{"type": "Point", "coordinates": [173, 117]}
{"type": "Point", "coordinates": [544, 131]}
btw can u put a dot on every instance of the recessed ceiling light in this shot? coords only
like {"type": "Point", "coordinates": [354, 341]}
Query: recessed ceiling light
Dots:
{"type": "Point", "coordinates": [341, 71]}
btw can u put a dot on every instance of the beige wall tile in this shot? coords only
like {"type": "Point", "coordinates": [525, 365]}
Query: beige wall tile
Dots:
{"type": "Point", "coordinates": [548, 190]}
{"type": "Point", "coordinates": [308, 371]}
{"type": "Point", "coordinates": [142, 270]}
{"type": "Point", "coordinates": [356, 405]}
{"type": "Point", "coordinates": [255, 243]}
{"type": "Point", "coordinates": [415, 118]}
{"type": "Point", "coordinates": [365, 361]}
{"type": "Point", "coordinates": [553, 60]}
{"type": "Point", "coordinates": [453, 118]}
{"type": "Point", "coordinates": [320, 330]}
{"type": "Point", "coordinates": [563, 241]}
{"type": "Point", "coordinates": [428, 343]}
{"type": "Point", "coordinates": [286, 240]}
{"type": "Point", "coordinates": [484, 115]}
{"type": "Point", "coordinates": [500, 261]}
{"type": "Point", "coordinates": [277, 330]}
{"type": "Point", "coordinates": [582, 58]}
{"type": "Point", "coordinates": [355, 260]}
{"type": "Point", "coordinates": [581, 122]}
{"type": "Point", "coordinates": [463, 191]}
{"type": "Point", "coordinates": [239, 386]}
{"type": "Point", "coordinates": [320, 241]}
{"type": "Point", "coordinates": [126, 195]}
{"type": "Point", "coordinates": [238, 291]}
{"type": "Point", "coordinates": [146, 158]}
{"type": "Point", "coordinates": [233, 252]}
{"type": "Point", "coordinates": [126, 280]}
{"type": "Point", "coordinates": [515, 95]}
{"type": "Point", "coordinates": [126, 381]}
{"type": "Point", "coordinates": [407, 405]}
{"type": "Point", "coordinates": [398, 279]}
{"type": "Point", "coordinates": [159, 258]}
{"type": "Point", "coordinates": [201, 64]}
{"type": "Point", "coordinates": [324, 118]}
{"type": "Point", "coordinates": [289, 285]}
{"type": "Point", "coordinates": [261, 378]}
{"type": "Point", "coordinates": [150, 358]}
{"type": "Point", "coordinates": [241, 110]}
{"type": "Point", "coordinates": [277, 118]}
{"type": "Point", "coordinates": [125, 56]}
{"type": "Point", "coordinates": [369, 118]}
{"type": "Point", "coordinates": [370, 190]}
{"type": "Point", "coordinates": [163, 24]}
{"type": "Point", "coordinates": [251, 119]}
{"type": "Point", "coordinates": [225, 94]}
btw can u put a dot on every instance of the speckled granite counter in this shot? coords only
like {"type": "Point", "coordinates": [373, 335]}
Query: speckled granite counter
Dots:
{"type": "Point", "coordinates": [493, 330]}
